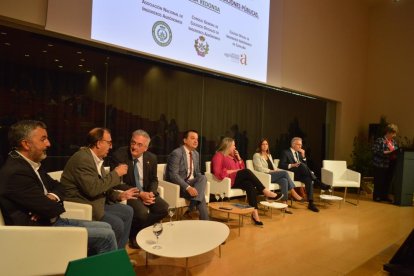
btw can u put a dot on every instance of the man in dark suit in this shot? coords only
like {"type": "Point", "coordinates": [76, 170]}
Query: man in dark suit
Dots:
{"type": "Point", "coordinates": [142, 174]}
{"type": "Point", "coordinates": [183, 168]}
{"type": "Point", "coordinates": [294, 159]}
{"type": "Point", "coordinates": [86, 181]}
{"type": "Point", "coordinates": [30, 197]}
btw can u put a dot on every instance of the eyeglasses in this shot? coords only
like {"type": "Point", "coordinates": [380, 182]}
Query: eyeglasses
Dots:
{"type": "Point", "coordinates": [109, 142]}
{"type": "Point", "coordinates": [140, 145]}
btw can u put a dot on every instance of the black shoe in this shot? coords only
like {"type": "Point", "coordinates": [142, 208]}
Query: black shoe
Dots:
{"type": "Point", "coordinates": [313, 208]}
{"type": "Point", "coordinates": [276, 198]}
{"type": "Point", "coordinates": [325, 187]}
{"type": "Point", "coordinates": [256, 222]}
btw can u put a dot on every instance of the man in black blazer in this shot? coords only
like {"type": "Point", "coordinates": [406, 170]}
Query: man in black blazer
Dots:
{"type": "Point", "coordinates": [30, 197]}
{"type": "Point", "coordinates": [142, 173]}
{"type": "Point", "coordinates": [294, 159]}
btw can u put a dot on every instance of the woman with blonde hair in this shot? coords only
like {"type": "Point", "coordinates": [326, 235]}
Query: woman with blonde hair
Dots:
{"type": "Point", "coordinates": [227, 162]}
{"type": "Point", "coordinates": [263, 162]}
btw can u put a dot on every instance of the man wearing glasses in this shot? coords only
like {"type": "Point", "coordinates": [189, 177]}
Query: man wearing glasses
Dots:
{"type": "Point", "coordinates": [294, 159]}
{"type": "Point", "coordinates": [142, 174]}
{"type": "Point", "coordinates": [86, 181]}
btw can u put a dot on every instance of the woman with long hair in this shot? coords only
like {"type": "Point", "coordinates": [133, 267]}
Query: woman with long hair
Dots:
{"type": "Point", "coordinates": [227, 162]}
{"type": "Point", "coordinates": [263, 162]}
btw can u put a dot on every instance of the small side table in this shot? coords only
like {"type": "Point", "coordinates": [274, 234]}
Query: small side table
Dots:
{"type": "Point", "coordinates": [231, 209]}
{"type": "Point", "coordinates": [326, 197]}
{"type": "Point", "coordinates": [274, 205]}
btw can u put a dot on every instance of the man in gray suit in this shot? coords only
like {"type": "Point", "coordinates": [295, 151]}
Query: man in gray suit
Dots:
{"type": "Point", "coordinates": [183, 168]}
{"type": "Point", "coordinates": [86, 181]}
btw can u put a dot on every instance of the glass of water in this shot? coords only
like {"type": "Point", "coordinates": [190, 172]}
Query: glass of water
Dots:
{"type": "Point", "coordinates": [171, 212]}
{"type": "Point", "coordinates": [157, 230]}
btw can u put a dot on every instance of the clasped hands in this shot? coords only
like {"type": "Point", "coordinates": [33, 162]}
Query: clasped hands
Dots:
{"type": "Point", "coordinates": [147, 198]}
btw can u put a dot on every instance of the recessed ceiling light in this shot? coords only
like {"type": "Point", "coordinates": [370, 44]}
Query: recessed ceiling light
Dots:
{"type": "Point", "coordinates": [3, 33]}
{"type": "Point", "coordinates": [7, 43]}
{"type": "Point", "coordinates": [26, 55]}
{"type": "Point", "coordinates": [44, 51]}
{"type": "Point", "coordinates": [82, 59]}
{"type": "Point", "coordinates": [79, 52]}
{"type": "Point", "coordinates": [56, 60]}
{"type": "Point", "coordinates": [50, 45]}
{"type": "Point", "coordinates": [60, 66]}
{"type": "Point", "coordinates": [88, 71]}
{"type": "Point", "coordinates": [80, 65]}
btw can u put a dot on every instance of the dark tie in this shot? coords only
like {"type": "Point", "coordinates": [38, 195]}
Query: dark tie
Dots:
{"type": "Point", "coordinates": [191, 165]}
{"type": "Point", "coordinates": [136, 174]}
{"type": "Point", "coordinates": [297, 156]}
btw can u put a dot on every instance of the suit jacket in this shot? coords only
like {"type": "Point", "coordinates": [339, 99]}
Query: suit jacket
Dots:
{"type": "Point", "coordinates": [302, 173]}
{"type": "Point", "coordinates": [287, 158]}
{"type": "Point", "coordinates": [22, 194]}
{"type": "Point", "coordinates": [260, 163]}
{"type": "Point", "coordinates": [177, 168]}
{"type": "Point", "coordinates": [149, 166]}
{"type": "Point", "coordinates": [83, 183]}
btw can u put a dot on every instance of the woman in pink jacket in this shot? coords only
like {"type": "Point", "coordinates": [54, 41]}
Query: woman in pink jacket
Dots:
{"type": "Point", "coordinates": [226, 162]}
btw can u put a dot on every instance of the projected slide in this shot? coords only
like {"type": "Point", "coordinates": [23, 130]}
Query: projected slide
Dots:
{"type": "Point", "coordinates": [222, 35]}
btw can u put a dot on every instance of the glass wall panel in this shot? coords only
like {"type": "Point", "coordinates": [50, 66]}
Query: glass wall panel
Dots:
{"type": "Point", "coordinates": [74, 87]}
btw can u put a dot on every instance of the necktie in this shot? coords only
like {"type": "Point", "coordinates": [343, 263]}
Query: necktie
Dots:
{"type": "Point", "coordinates": [297, 156]}
{"type": "Point", "coordinates": [136, 174]}
{"type": "Point", "coordinates": [191, 165]}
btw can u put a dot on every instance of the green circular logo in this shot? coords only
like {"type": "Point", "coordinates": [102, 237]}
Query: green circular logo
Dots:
{"type": "Point", "coordinates": [161, 33]}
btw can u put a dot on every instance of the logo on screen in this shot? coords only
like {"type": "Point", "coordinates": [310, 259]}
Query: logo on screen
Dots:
{"type": "Point", "coordinates": [201, 46]}
{"type": "Point", "coordinates": [243, 59]}
{"type": "Point", "coordinates": [161, 33]}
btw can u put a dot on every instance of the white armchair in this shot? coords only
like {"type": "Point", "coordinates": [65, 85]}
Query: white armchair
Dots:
{"type": "Point", "coordinates": [264, 178]}
{"type": "Point", "coordinates": [221, 186]}
{"type": "Point", "coordinates": [46, 250]}
{"type": "Point", "coordinates": [336, 174]}
{"type": "Point", "coordinates": [171, 191]}
{"type": "Point", "coordinates": [56, 175]}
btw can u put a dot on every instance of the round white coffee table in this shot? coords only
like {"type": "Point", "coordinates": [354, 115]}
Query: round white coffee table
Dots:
{"type": "Point", "coordinates": [274, 205]}
{"type": "Point", "coordinates": [184, 239]}
{"type": "Point", "coordinates": [326, 197]}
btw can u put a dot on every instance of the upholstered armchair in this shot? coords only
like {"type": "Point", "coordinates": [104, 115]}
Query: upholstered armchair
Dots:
{"type": "Point", "coordinates": [336, 174]}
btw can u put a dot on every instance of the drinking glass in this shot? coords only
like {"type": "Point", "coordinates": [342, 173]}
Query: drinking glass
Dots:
{"type": "Point", "coordinates": [217, 196]}
{"type": "Point", "coordinates": [157, 230]}
{"type": "Point", "coordinates": [171, 212]}
{"type": "Point", "coordinates": [222, 197]}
